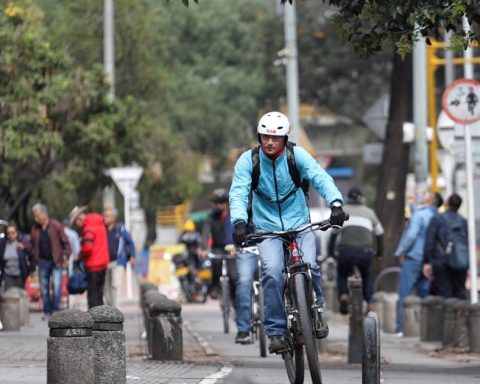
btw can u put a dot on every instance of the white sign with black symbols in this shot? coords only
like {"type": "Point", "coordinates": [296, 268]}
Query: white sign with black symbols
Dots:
{"type": "Point", "coordinates": [461, 101]}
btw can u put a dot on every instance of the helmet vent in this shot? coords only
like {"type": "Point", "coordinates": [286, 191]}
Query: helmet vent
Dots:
{"type": "Point", "coordinates": [280, 128]}
{"type": "Point", "coordinates": [264, 126]}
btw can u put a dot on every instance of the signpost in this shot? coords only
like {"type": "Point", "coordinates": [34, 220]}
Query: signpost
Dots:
{"type": "Point", "coordinates": [126, 179]}
{"type": "Point", "coordinates": [461, 102]}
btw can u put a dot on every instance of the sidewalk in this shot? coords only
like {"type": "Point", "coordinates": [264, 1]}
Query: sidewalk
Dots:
{"type": "Point", "coordinates": [23, 354]}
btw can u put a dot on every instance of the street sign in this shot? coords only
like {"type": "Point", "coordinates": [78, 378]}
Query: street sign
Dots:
{"type": "Point", "coordinates": [461, 101]}
{"type": "Point", "coordinates": [125, 178]}
{"type": "Point", "coordinates": [376, 117]}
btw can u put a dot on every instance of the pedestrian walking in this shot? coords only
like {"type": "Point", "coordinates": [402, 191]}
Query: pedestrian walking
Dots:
{"type": "Point", "coordinates": [16, 258]}
{"type": "Point", "coordinates": [360, 239]}
{"type": "Point", "coordinates": [410, 252]}
{"type": "Point", "coordinates": [93, 251]}
{"type": "Point", "coordinates": [51, 249]}
{"type": "Point", "coordinates": [121, 251]}
{"type": "Point", "coordinates": [446, 251]}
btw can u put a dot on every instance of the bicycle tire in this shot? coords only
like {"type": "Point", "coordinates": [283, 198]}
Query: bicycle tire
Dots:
{"type": "Point", "coordinates": [186, 290]}
{"type": "Point", "coordinates": [294, 364]}
{"type": "Point", "coordinates": [262, 336]}
{"type": "Point", "coordinates": [305, 319]}
{"type": "Point", "coordinates": [225, 303]}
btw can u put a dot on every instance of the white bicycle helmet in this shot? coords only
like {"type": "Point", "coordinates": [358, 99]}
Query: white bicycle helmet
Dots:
{"type": "Point", "coordinates": [274, 123]}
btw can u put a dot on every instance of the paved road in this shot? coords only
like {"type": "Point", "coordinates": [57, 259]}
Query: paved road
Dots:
{"type": "Point", "coordinates": [404, 360]}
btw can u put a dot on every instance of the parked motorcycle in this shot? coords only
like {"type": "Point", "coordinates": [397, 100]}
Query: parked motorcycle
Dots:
{"type": "Point", "coordinates": [194, 282]}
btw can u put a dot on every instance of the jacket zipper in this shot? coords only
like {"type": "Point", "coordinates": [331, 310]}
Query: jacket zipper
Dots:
{"type": "Point", "coordinates": [276, 194]}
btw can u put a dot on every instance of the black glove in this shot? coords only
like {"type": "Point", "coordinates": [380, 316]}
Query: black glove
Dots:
{"type": "Point", "coordinates": [337, 217]}
{"type": "Point", "coordinates": [239, 233]}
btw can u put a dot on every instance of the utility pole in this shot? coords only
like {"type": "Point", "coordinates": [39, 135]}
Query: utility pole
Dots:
{"type": "Point", "coordinates": [420, 113]}
{"type": "Point", "coordinates": [109, 45]}
{"type": "Point", "coordinates": [290, 26]}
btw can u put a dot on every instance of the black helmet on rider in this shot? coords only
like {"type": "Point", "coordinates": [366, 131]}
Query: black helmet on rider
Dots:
{"type": "Point", "coordinates": [219, 196]}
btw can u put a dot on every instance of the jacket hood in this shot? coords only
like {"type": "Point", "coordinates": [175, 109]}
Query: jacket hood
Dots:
{"type": "Point", "coordinates": [93, 219]}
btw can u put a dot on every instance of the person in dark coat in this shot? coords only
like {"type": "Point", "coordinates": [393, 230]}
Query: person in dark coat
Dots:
{"type": "Point", "coordinates": [16, 258]}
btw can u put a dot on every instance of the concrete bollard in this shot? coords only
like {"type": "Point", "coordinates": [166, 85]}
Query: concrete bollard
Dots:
{"type": "Point", "coordinates": [109, 345]}
{"type": "Point", "coordinates": [431, 318]}
{"type": "Point", "coordinates": [448, 321]}
{"type": "Point", "coordinates": [24, 308]}
{"type": "Point", "coordinates": [460, 330]}
{"type": "Point", "coordinates": [474, 326]}
{"type": "Point", "coordinates": [330, 295]}
{"type": "Point", "coordinates": [144, 288]}
{"type": "Point", "coordinates": [389, 323]}
{"type": "Point", "coordinates": [70, 351]}
{"type": "Point", "coordinates": [355, 317]}
{"type": "Point", "coordinates": [10, 310]}
{"type": "Point", "coordinates": [411, 316]}
{"type": "Point", "coordinates": [371, 349]}
{"type": "Point", "coordinates": [150, 298]}
{"type": "Point", "coordinates": [166, 330]}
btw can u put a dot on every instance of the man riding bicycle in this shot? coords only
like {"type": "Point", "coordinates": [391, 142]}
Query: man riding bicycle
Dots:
{"type": "Point", "coordinates": [279, 203]}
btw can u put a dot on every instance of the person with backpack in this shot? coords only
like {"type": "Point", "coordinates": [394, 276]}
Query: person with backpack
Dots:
{"type": "Point", "coordinates": [446, 251]}
{"type": "Point", "coordinates": [273, 175]}
{"type": "Point", "coordinates": [121, 250]}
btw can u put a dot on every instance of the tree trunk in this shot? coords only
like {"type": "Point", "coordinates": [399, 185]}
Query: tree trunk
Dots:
{"type": "Point", "coordinates": [390, 203]}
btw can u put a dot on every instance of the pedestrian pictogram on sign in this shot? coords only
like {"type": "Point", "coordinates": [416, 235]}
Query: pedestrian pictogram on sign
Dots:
{"type": "Point", "coordinates": [461, 101]}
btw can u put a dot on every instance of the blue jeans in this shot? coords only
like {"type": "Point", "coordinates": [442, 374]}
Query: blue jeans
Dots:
{"type": "Point", "coordinates": [246, 266]}
{"type": "Point", "coordinates": [411, 277]}
{"type": "Point", "coordinates": [49, 270]}
{"type": "Point", "coordinates": [271, 253]}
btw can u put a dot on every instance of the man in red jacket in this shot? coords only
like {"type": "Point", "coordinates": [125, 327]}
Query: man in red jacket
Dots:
{"type": "Point", "coordinates": [94, 251]}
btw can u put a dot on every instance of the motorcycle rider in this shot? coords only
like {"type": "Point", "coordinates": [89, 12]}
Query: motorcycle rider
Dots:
{"type": "Point", "coordinates": [278, 204]}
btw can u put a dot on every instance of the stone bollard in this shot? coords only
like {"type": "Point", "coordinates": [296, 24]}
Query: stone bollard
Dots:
{"type": "Point", "coordinates": [355, 317]}
{"type": "Point", "coordinates": [371, 349]}
{"type": "Point", "coordinates": [70, 351]}
{"type": "Point", "coordinates": [330, 294]}
{"type": "Point", "coordinates": [448, 321]}
{"type": "Point", "coordinates": [431, 318]}
{"type": "Point", "coordinates": [411, 316]}
{"type": "Point", "coordinates": [389, 323]}
{"type": "Point", "coordinates": [166, 330]}
{"type": "Point", "coordinates": [144, 288]}
{"type": "Point", "coordinates": [109, 345]}
{"type": "Point", "coordinates": [24, 308]}
{"type": "Point", "coordinates": [150, 298]}
{"type": "Point", "coordinates": [377, 305]}
{"type": "Point", "coordinates": [460, 330]}
{"type": "Point", "coordinates": [474, 326]}
{"type": "Point", "coordinates": [10, 310]}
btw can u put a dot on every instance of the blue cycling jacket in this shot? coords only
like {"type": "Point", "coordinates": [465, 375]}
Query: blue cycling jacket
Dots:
{"type": "Point", "coordinates": [271, 211]}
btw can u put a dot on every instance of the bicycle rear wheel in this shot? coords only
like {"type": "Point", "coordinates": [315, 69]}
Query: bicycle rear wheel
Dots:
{"type": "Point", "coordinates": [225, 303]}
{"type": "Point", "coordinates": [262, 336]}
{"type": "Point", "coordinates": [305, 319]}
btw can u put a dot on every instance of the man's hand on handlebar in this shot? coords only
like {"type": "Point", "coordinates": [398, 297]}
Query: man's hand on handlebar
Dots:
{"type": "Point", "coordinates": [240, 233]}
{"type": "Point", "coordinates": [337, 216]}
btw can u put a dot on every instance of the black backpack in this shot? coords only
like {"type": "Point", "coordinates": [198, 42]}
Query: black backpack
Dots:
{"type": "Point", "coordinates": [456, 249]}
{"type": "Point", "coordinates": [292, 169]}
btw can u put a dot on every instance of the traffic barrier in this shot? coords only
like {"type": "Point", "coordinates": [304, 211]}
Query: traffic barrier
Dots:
{"type": "Point", "coordinates": [460, 330]}
{"type": "Point", "coordinates": [166, 330]}
{"type": "Point", "coordinates": [389, 318]}
{"type": "Point", "coordinates": [431, 318]}
{"type": "Point", "coordinates": [355, 314]}
{"type": "Point", "coordinates": [109, 345]}
{"type": "Point", "coordinates": [70, 348]}
{"type": "Point", "coordinates": [474, 326]}
{"type": "Point", "coordinates": [411, 316]}
{"type": "Point", "coordinates": [448, 321]}
{"type": "Point", "coordinates": [10, 309]}
{"type": "Point", "coordinates": [371, 349]}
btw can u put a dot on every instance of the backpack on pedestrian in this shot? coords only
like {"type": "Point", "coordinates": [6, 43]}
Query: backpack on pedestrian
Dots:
{"type": "Point", "coordinates": [455, 249]}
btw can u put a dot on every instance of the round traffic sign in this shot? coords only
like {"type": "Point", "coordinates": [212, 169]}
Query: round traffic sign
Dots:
{"type": "Point", "coordinates": [461, 101]}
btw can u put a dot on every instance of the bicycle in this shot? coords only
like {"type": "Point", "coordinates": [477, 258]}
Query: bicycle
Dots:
{"type": "Point", "coordinates": [225, 291]}
{"type": "Point", "coordinates": [258, 331]}
{"type": "Point", "coordinates": [303, 325]}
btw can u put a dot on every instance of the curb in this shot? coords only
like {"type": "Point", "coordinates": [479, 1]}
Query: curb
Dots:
{"type": "Point", "coordinates": [207, 349]}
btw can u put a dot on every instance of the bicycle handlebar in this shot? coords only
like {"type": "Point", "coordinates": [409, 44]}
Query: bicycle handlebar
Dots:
{"type": "Point", "coordinates": [319, 225]}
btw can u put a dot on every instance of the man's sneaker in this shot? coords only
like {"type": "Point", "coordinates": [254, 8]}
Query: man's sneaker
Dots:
{"type": "Point", "coordinates": [320, 324]}
{"type": "Point", "coordinates": [277, 344]}
{"type": "Point", "coordinates": [344, 304]}
{"type": "Point", "coordinates": [243, 338]}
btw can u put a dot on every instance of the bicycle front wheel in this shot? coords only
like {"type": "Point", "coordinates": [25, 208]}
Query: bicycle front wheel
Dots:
{"type": "Point", "coordinates": [262, 337]}
{"type": "Point", "coordinates": [225, 303]}
{"type": "Point", "coordinates": [305, 319]}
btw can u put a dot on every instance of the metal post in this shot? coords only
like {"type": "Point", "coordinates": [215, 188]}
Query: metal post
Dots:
{"type": "Point", "coordinates": [109, 45]}
{"type": "Point", "coordinates": [472, 246]}
{"type": "Point", "coordinates": [420, 111]}
{"type": "Point", "coordinates": [292, 69]}
{"type": "Point", "coordinates": [126, 200]}
{"type": "Point", "coordinates": [355, 321]}
{"type": "Point", "coordinates": [449, 72]}
{"type": "Point", "coordinates": [467, 53]}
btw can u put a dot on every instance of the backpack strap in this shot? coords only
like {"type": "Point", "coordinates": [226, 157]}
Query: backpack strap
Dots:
{"type": "Point", "coordinates": [293, 170]}
{"type": "Point", "coordinates": [255, 168]}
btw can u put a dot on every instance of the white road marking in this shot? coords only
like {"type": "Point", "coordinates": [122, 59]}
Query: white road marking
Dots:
{"type": "Point", "coordinates": [212, 379]}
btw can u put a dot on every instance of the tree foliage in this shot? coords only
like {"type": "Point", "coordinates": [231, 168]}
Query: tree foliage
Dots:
{"type": "Point", "coordinates": [370, 25]}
